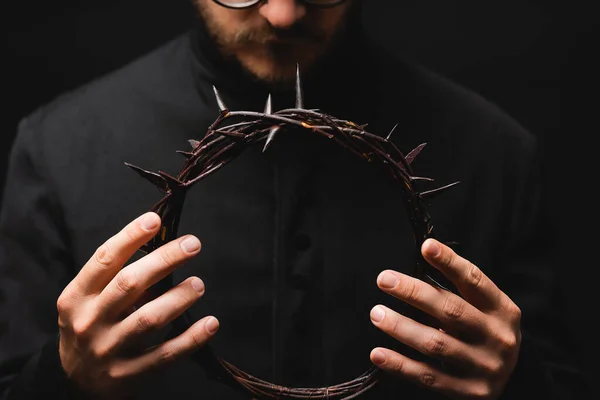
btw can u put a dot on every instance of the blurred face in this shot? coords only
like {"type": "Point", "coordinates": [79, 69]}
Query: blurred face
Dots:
{"type": "Point", "coordinates": [269, 38]}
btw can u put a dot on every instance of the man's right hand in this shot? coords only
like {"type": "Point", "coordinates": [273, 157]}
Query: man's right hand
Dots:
{"type": "Point", "coordinates": [99, 324]}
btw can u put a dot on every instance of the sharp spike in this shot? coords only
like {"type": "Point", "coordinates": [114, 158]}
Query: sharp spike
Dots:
{"type": "Point", "coordinates": [299, 93]}
{"type": "Point", "coordinates": [271, 136]}
{"type": "Point", "coordinates": [435, 192]}
{"type": "Point", "coordinates": [220, 101]}
{"type": "Point", "coordinates": [193, 143]}
{"type": "Point", "coordinates": [436, 283]}
{"type": "Point", "coordinates": [173, 182]}
{"type": "Point", "coordinates": [152, 177]}
{"type": "Point", "coordinates": [414, 153]}
{"type": "Point", "coordinates": [391, 132]}
{"type": "Point", "coordinates": [420, 178]}
{"type": "Point", "coordinates": [269, 106]}
{"type": "Point", "coordinates": [186, 154]}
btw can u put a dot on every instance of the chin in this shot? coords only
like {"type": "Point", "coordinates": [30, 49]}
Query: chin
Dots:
{"type": "Point", "coordinates": [277, 64]}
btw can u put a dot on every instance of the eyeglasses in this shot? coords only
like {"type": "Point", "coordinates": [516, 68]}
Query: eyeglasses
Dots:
{"type": "Point", "coordinates": [239, 4]}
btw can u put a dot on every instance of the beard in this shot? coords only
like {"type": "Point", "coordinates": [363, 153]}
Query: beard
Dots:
{"type": "Point", "coordinates": [270, 54]}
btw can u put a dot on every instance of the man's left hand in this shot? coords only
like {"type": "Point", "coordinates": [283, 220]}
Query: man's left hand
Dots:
{"type": "Point", "coordinates": [479, 334]}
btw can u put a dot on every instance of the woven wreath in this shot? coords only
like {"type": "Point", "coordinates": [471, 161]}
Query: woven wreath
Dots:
{"type": "Point", "coordinates": [223, 143]}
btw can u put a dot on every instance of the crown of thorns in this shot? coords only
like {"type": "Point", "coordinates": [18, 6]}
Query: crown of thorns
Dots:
{"type": "Point", "coordinates": [224, 142]}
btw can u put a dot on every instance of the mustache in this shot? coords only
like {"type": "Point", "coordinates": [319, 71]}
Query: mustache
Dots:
{"type": "Point", "coordinates": [269, 34]}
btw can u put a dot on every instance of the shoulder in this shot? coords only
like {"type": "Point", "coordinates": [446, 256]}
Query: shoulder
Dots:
{"type": "Point", "coordinates": [449, 110]}
{"type": "Point", "coordinates": [109, 98]}
{"type": "Point", "coordinates": [127, 115]}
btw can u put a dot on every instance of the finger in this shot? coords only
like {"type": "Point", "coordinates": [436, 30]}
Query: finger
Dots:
{"type": "Point", "coordinates": [159, 312]}
{"type": "Point", "coordinates": [425, 339]}
{"type": "Point", "coordinates": [426, 376]}
{"type": "Point", "coordinates": [189, 341]}
{"type": "Point", "coordinates": [448, 308]}
{"type": "Point", "coordinates": [131, 282]}
{"type": "Point", "coordinates": [471, 282]}
{"type": "Point", "coordinates": [110, 257]}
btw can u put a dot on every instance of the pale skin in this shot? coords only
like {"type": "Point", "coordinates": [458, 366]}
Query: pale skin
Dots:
{"type": "Point", "coordinates": [480, 334]}
{"type": "Point", "coordinates": [99, 324]}
{"type": "Point", "coordinates": [99, 327]}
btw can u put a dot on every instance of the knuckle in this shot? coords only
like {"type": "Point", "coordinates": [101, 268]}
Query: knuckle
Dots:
{"type": "Point", "coordinates": [453, 309]}
{"type": "Point", "coordinates": [168, 256]}
{"type": "Point", "coordinates": [508, 342]}
{"type": "Point", "coordinates": [82, 327]}
{"type": "Point", "coordinates": [411, 290]}
{"type": "Point", "coordinates": [435, 344]}
{"type": "Point", "coordinates": [127, 281]}
{"type": "Point", "coordinates": [394, 323]}
{"type": "Point", "coordinates": [397, 364]}
{"type": "Point", "coordinates": [64, 302]}
{"type": "Point", "coordinates": [166, 355]}
{"type": "Point", "coordinates": [104, 255]}
{"type": "Point", "coordinates": [492, 367]}
{"type": "Point", "coordinates": [427, 379]}
{"type": "Point", "coordinates": [391, 324]}
{"type": "Point", "coordinates": [100, 352]}
{"type": "Point", "coordinates": [514, 312]}
{"type": "Point", "coordinates": [147, 321]}
{"type": "Point", "coordinates": [447, 256]}
{"type": "Point", "coordinates": [197, 339]}
{"type": "Point", "coordinates": [474, 276]}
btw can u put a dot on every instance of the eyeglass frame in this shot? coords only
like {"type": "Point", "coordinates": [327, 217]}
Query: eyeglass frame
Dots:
{"type": "Point", "coordinates": [252, 3]}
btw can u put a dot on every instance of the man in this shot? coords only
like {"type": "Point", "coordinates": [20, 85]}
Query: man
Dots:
{"type": "Point", "coordinates": [306, 259]}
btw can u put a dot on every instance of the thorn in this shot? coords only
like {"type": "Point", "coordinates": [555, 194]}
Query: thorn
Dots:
{"type": "Point", "coordinates": [220, 102]}
{"type": "Point", "coordinates": [414, 153]}
{"type": "Point", "coordinates": [436, 283]}
{"type": "Point", "coordinates": [193, 143]}
{"type": "Point", "coordinates": [186, 154]}
{"type": "Point", "coordinates": [152, 177]}
{"type": "Point", "coordinates": [271, 136]}
{"type": "Point", "coordinates": [391, 132]}
{"type": "Point", "coordinates": [420, 178]}
{"type": "Point", "coordinates": [173, 182]}
{"type": "Point", "coordinates": [268, 106]}
{"type": "Point", "coordinates": [435, 192]}
{"type": "Point", "coordinates": [299, 94]}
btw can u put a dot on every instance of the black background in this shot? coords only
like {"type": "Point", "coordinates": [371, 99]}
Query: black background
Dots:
{"type": "Point", "coordinates": [536, 59]}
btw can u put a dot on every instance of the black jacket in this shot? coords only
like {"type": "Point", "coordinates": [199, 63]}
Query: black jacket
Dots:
{"type": "Point", "coordinates": [293, 239]}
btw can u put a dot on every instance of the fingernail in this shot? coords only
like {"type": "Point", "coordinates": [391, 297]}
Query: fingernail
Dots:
{"type": "Point", "coordinates": [377, 314]}
{"type": "Point", "coordinates": [212, 325]}
{"type": "Point", "coordinates": [150, 221]}
{"type": "Point", "coordinates": [432, 249]}
{"type": "Point", "coordinates": [377, 357]}
{"type": "Point", "coordinates": [387, 280]}
{"type": "Point", "coordinates": [190, 245]}
{"type": "Point", "coordinates": [198, 285]}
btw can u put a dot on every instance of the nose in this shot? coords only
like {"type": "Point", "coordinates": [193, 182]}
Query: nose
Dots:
{"type": "Point", "coordinates": [283, 14]}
